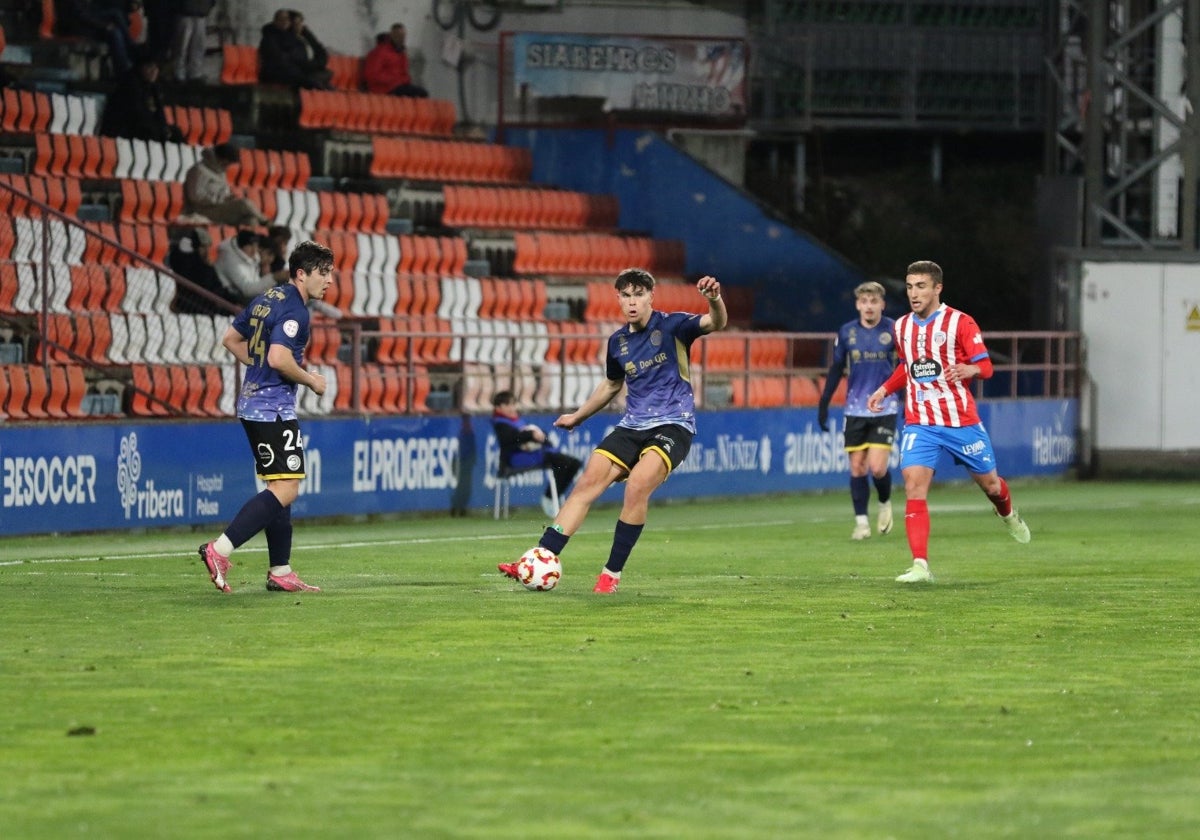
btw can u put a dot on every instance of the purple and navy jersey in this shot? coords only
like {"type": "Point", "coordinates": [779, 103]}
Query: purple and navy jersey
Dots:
{"type": "Point", "coordinates": [869, 355]}
{"type": "Point", "coordinates": [654, 364]}
{"type": "Point", "coordinates": [277, 316]}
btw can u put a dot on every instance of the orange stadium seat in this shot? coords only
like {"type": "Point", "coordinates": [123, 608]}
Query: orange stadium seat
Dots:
{"type": "Point", "coordinates": [15, 394]}
{"type": "Point", "coordinates": [239, 64]}
{"type": "Point", "coordinates": [39, 392]}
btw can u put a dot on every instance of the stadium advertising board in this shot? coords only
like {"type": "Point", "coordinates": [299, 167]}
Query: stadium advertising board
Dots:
{"type": "Point", "coordinates": [117, 476]}
{"type": "Point", "coordinates": [698, 76]}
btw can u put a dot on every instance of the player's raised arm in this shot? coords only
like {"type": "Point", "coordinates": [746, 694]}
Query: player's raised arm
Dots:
{"type": "Point", "coordinates": [717, 317]}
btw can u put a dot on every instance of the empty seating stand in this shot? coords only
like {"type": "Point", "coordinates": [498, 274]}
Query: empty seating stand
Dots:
{"type": "Point", "coordinates": [239, 64]}
{"type": "Point", "coordinates": [372, 113]}
{"type": "Point", "coordinates": [347, 71]}
{"type": "Point", "coordinates": [201, 126]}
{"type": "Point", "coordinates": [448, 160]}
{"type": "Point", "coordinates": [526, 207]}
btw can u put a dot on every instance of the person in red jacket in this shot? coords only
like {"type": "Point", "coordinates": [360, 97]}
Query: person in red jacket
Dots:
{"type": "Point", "coordinates": [385, 69]}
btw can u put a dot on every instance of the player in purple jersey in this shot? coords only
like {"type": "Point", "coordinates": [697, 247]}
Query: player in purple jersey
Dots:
{"type": "Point", "coordinates": [268, 337]}
{"type": "Point", "coordinates": [866, 352]}
{"type": "Point", "coordinates": [649, 357]}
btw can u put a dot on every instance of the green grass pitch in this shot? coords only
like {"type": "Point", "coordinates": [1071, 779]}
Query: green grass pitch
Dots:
{"type": "Point", "coordinates": [758, 675]}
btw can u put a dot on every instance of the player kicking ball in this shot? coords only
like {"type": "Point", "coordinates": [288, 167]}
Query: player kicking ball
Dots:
{"type": "Point", "coordinates": [649, 356]}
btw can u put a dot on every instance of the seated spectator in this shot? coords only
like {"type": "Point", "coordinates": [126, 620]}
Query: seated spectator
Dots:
{"type": "Point", "coordinates": [385, 69]}
{"type": "Point", "coordinates": [207, 192]}
{"type": "Point", "coordinates": [134, 107]}
{"type": "Point", "coordinates": [100, 20]}
{"type": "Point", "coordinates": [290, 54]}
{"type": "Point", "coordinates": [189, 259]}
{"type": "Point", "coordinates": [524, 446]}
{"type": "Point", "coordinates": [273, 248]}
{"type": "Point", "coordinates": [239, 267]}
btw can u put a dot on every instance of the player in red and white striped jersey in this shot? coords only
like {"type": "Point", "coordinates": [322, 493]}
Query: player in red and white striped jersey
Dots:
{"type": "Point", "coordinates": [941, 350]}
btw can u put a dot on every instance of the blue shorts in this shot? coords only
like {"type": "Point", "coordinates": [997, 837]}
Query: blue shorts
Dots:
{"type": "Point", "coordinates": [970, 446]}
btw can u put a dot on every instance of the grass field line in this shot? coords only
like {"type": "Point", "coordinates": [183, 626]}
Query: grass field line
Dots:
{"type": "Point", "coordinates": [936, 509]}
{"type": "Point", "coordinates": [457, 538]}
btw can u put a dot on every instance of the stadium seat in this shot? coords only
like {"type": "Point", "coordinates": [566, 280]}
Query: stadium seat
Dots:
{"type": "Point", "coordinates": [15, 393]}
{"type": "Point", "coordinates": [39, 392]}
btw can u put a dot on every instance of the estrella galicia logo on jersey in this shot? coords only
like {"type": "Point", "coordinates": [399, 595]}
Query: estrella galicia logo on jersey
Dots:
{"type": "Point", "coordinates": [266, 455]}
{"type": "Point", "coordinates": [939, 338]}
{"type": "Point", "coordinates": [656, 338]}
{"type": "Point", "coordinates": [293, 462]}
{"type": "Point", "coordinates": [925, 370]}
{"type": "Point", "coordinates": [291, 327]}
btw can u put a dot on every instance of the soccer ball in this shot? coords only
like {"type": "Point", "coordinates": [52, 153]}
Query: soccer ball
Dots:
{"type": "Point", "coordinates": [539, 569]}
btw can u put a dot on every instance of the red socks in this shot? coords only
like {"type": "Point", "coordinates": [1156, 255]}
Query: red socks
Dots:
{"type": "Point", "coordinates": [916, 527]}
{"type": "Point", "coordinates": [1002, 501]}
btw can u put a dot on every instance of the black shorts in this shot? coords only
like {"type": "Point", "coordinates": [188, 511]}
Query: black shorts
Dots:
{"type": "Point", "coordinates": [870, 432]}
{"type": "Point", "coordinates": [278, 449]}
{"type": "Point", "coordinates": [625, 447]}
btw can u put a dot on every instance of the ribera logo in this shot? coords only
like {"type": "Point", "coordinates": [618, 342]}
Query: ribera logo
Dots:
{"type": "Point", "coordinates": [143, 502]}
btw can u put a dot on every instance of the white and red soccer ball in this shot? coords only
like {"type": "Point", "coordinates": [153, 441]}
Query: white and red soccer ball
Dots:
{"type": "Point", "coordinates": [539, 569]}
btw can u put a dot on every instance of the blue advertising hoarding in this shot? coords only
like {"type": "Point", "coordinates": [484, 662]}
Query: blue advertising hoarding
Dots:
{"type": "Point", "coordinates": [117, 476]}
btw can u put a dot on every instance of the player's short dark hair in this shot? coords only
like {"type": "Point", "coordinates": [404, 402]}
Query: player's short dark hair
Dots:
{"type": "Point", "coordinates": [308, 257]}
{"type": "Point", "coordinates": [637, 277]}
{"type": "Point", "coordinates": [926, 267]}
{"type": "Point", "coordinates": [503, 398]}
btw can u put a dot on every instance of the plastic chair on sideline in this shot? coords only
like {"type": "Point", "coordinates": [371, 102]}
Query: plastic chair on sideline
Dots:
{"type": "Point", "coordinates": [504, 477]}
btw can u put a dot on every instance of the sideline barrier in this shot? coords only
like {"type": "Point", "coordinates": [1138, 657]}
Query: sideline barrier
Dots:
{"type": "Point", "coordinates": [118, 476]}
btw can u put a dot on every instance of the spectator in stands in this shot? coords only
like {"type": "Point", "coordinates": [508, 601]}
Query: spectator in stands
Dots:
{"type": "Point", "coordinates": [191, 39]}
{"type": "Point", "coordinates": [385, 69]}
{"type": "Point", "coordinates": [161, 17]}
{"type": "Point", "coordinates": [188, 258]}
{"type": "Point", "coordinates": [239, 267]}
{"type": "Point", "coordinates": [524, 446]}
{"type": "Point", "coordinates": [134, 107]}
{"type": "Point", "coordinates": [101, 20]}
{"type": "Point", "coordinates": [290, 54]}
{"type": "Point", "coordinates": [207, 192]}
{"type": "Point", "coordinates": [273, 254]}
{"type": "Point", "coordinates": [273, 249]}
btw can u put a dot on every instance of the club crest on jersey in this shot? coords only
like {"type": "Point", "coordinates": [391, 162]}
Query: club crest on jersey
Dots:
{"type": "Point", "coordinates": [656, 338]}
{"type": "Point", "coordinates": [939, 338]}
{"type": "Point", "coordinates": [925, 370]}
{"type": "Point", "coordinates": [885, 338]}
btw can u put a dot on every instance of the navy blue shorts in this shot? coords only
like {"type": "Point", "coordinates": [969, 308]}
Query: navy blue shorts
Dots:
{"type": "Point", "coordinates": [625, 447]}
